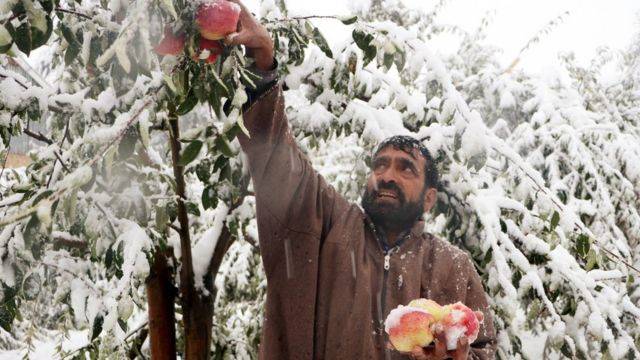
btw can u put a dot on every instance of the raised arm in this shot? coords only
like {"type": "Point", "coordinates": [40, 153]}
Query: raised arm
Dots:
{"type": "Point", "coordinates": [294, 203]}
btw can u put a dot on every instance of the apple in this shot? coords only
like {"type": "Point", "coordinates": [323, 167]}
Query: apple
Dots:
{"type": "Point", "coordinates": [460, 321]}
{"type": "Point", "coordinates": [409, 327]}
{"type": "Point", "coordinates": [213, 47]}
{"type": "Point", "coordinates": [171, 44]}
{"type": "Point", "coordinates": [217, 18]}
{"type": "Point", "coordinates": [438, 311]}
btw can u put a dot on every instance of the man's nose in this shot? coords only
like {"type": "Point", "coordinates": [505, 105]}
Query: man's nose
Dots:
{"type": "Point", "coordinates": [387, 175]}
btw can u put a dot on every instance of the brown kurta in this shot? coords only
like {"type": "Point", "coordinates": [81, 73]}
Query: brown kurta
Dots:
{"type": "Point", "coordinates": [328, 291]}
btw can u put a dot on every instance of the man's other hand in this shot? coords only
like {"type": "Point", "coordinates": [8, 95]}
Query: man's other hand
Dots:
{"type": "Point", "coordinates": [439, 351]}
{"type": "Point", "coordinates": [254, 37]}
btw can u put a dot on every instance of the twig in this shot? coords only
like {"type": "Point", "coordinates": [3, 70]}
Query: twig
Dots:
{"type": "Point", "coordinates": [40, 137]}
{"type": "Point", "coordinates": [66, 132]}
{"type": "Point", "coordinates": [295, 18]}
{"type": "Point", "coordinates": [72, 12]}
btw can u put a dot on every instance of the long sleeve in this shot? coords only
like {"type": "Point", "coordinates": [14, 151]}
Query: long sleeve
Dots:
{"type": "Point", "coordinates": [293, 201]}
{"type": "Point", "coordinates": [484, 347]}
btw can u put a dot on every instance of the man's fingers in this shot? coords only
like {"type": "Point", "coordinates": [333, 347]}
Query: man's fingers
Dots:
{"type": "Point", "coordinates": [418, 353]}
{"type": "Point", "coordinates": [441, 347]}
{"type": "Point", "coordinates": [462, 351]}
{"type": "Point", "coordinates": [237, 38]}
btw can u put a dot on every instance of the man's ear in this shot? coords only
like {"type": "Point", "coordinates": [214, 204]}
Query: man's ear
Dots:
{"type": "Point", "coordinates": [430, 198]}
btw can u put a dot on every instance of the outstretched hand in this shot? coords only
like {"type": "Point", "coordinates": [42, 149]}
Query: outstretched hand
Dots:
{"type": "Point", "coordinates": [254, 36]}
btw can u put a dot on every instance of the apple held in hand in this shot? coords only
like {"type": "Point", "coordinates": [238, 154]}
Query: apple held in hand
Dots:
{"type": "Point", "coordinates": [423, 320]}
{"type": "Point", "coordinates": [438, 311]}
{"type": "Point", "coordinates": [409, 327]}
{"type": "Point", "coordinates": [217, 18]}
{"type": "Point", "coordinates": [171, 44]}
{"type": "Point", "coordinates": [460, 321]}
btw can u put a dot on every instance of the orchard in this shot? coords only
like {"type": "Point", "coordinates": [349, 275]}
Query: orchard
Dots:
{"type": "Point", "coordinates": [132, 231]}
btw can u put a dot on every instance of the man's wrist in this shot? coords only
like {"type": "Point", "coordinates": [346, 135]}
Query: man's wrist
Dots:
{"type": "Point", "coordinates": [263, 56]}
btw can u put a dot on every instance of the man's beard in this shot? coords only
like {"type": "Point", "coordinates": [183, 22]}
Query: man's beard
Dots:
{"type": "Point", "coordinates": [397, 216]}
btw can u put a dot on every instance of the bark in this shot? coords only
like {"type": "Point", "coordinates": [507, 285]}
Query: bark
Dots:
{"type": "Point", "coordinates": [161, 299]}
{"type": "Point", "coordinates": [197, 309]}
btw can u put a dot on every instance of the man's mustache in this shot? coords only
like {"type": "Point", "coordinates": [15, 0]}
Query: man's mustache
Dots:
{"type": "Point", "coordinates": [383, 185]}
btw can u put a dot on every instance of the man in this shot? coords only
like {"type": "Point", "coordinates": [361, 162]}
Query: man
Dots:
{"type": "Point", "coordinates": [335, 272]}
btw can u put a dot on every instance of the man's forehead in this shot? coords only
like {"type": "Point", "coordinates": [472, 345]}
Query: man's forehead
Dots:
{"type": "Point", "coordinates": [390, 150]}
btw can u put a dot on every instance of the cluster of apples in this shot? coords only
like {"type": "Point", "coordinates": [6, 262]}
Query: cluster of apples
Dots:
{"type": "Point", "coordinates": [215, 20]}
{"type": "Point", "coordinates": [422, 320]}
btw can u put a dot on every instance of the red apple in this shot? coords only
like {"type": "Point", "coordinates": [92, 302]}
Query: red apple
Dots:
{"type": "Point", "coordinates": [217, 18]}
{"type": "Point", "coordinates": [170, 44]}
{"type": "Point", "coordinates": [214, 47]}
{"type": "Point", "coordinates": [409, 327]}
{"type": "Point", "coordinates": [460, 321]}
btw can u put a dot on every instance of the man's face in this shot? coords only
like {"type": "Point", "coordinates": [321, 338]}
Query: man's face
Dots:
{"type": "Point", "coordinates": [396, 195]}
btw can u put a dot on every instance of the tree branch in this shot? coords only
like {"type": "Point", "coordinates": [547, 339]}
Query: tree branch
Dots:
{"type": "Point", "coordinates": [73, 12]}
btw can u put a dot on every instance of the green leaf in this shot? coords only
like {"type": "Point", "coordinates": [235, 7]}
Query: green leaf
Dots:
{"type": "Point", "coordinates": [47, 5]}
{"type": "Point", "coordinates": [222, 145]}
{"type": "Point", "coordinates": [534, 310]}
{"type": "Point", "coordinates": [190, 152]}
{"type": "Point", "coordinates": [71, 54]}
{"type": "Point", "coordinates": [31, 286]}
{"type": "Point", "coordinates": [68, 35]}
{"type": "Point", "coordinates": [5, 48]}
{"type": "Point", "coordinates": [477, 161]}
{"type": "Point", "coordinates": [209, 198]}
{"type": "Point", "coordinates": [349, 20]}
{"type": "Point", "coordinates": [240, 123]}
{"type": "Point", "coordinates": [388, 60]}
{"type": "Point", "coordinates": [192, 208]}
{"type": "Point", "coordinates": [555, 219]}
{"type": "Point", "coordinates": [22, 37]}
{"type": "Point", "coordinates": [400, 60]}
{"type": "Point", "coordinates": [188, 104]}
{"type": "Point", "coordinates": [583, 243]}
{"type": "Point", "coordinates": [40, 38]}
{"type": "Point", "coordinates": [162, 218]}
{"type": "Point", "coordinates": [220, 163]}
{"type": "Point", "coordinates": [363, 40]}
{"type": "Point", "coordinates": [31, 231]}
{"type": "Point", "coordinates": [97, 327]}
{"type": "Point", "coordinates": [503, 226]}
{"type": "Point", "coordinates": [592, 260]}
{"type": "Point", "coordinates": [203, 170]}
{"type": "Point", "coordinates": [321, 42]}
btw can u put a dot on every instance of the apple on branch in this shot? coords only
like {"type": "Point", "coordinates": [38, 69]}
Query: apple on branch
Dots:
{"type": "Point", "coordinates": [208, 50]}
{"type": "Point", "coordinates": [171, 44]}
{"type": "Point", "coordinates": [217, 19]}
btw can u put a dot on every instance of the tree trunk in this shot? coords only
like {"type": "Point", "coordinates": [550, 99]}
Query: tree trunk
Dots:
{"type": "Point", "coordinates": [197, 309]}
{"type": "Point", "coordinates": [161, 298]}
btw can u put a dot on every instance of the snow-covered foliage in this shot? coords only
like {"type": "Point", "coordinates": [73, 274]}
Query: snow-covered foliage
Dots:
{"type": "Point", "coordinates": [540, 174]}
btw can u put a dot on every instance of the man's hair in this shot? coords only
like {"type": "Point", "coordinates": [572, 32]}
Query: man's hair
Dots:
{"type": "Point", "coordinates": [407, 144]}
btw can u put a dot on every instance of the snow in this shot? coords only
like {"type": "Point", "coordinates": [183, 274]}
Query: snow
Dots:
{"type": "Point", "coordinates": [136, 243]}
{"type": "Point", "coordinates": [453, 334]}
{"type": "Point", "coordinates": [202, 251]}
{"type": "Point", "coordinates": [46, 348]}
